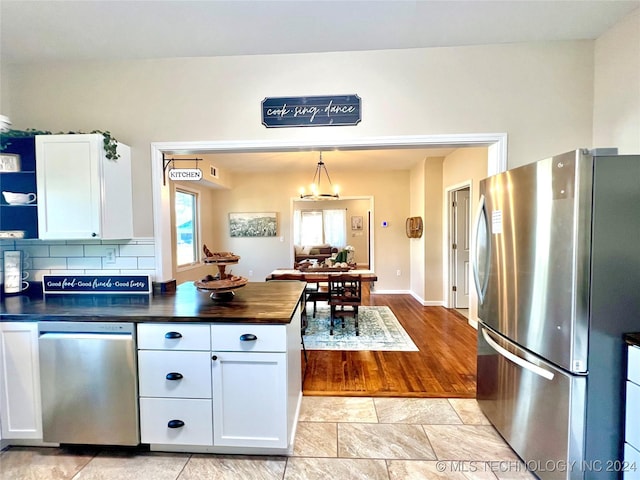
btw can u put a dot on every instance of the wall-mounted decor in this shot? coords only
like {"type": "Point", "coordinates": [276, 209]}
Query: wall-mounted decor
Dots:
{"type": "Point", "coordinates": [262, 224]}
{"type": "Point", "coordinates": [356, 222]}
{"type": "Point", "coordinates": [319, 111]}
{"type": "Point", "coordinates": [414, 227]}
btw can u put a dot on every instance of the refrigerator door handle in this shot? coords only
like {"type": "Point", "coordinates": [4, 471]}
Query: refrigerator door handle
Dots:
{"type": "Point", "coordinates": [481, 220]}
{"type": "Point", "coordinates": [516, 359]}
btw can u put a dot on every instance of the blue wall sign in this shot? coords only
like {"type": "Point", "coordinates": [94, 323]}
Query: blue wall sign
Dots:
{"type": "Point", "coordinates": [330, 110]}
{"type": "Point", "coordinates": [101, 284]}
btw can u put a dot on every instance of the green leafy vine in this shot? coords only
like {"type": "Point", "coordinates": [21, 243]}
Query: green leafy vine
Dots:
{"type": "Point", "coordinates": [110, 143]}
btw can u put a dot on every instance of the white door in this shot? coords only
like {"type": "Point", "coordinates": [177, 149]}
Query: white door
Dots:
{"type": "Point", "coordinates": [461, 212]}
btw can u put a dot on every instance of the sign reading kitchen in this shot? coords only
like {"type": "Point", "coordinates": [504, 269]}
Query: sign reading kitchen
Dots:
{"type": "Point", "coordinates": [330, 110]}
{"type": "Point", "coordinates": [96, 284]}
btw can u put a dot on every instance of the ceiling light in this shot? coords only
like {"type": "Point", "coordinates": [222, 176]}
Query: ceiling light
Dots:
{"type": "Point", "coordinates": [316, 188]}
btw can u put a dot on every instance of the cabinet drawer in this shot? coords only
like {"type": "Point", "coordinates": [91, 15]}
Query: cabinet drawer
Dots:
{"type": "Point", "coordinates": [156, 413]}
{"type": "Point", "coordinates": [237, 338]}
{"type": "Point", "coordinates": [173, 336]}
{"type": "Point", "coordinates": [632, 415]}
{"type": "Point", "coordinates": [194, 367]}
{"type": "Point", "coordinates": [633, 367]}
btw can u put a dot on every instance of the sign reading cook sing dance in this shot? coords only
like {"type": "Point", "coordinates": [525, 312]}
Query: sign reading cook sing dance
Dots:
{"type": "Point", "coordinates": [330, 110]}
{"type": "Point", "coordinates": [185, 174]}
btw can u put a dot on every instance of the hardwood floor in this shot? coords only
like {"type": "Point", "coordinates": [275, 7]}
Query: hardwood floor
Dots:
{"type": "Point", "coordinates": [445, 366]}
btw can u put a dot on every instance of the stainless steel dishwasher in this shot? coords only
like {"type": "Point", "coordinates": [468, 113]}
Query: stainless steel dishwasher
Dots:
{"type": "Point", "coordinates": [89, 383]}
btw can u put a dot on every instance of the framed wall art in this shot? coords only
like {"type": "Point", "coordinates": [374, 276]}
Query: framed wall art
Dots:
{"type": "Point", "coordinates": [261, 224]}
{"type": "Point", "coordinates": [356, 222]}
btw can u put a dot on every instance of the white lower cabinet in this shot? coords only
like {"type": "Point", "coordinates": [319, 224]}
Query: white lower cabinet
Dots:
{"type": "Point", "coordinates": [176, 421]}
{"type": "Point", "coordinates": [236, 390]}
{"type": "Point", "coordinates": [20, 407]}
{"type": "Point", "coordinates": [250, 400]}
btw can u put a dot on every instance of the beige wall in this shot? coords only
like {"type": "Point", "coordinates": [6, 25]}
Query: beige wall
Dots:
{"type": "Point", "coordinates": [433, 231]}
{"type": "Point", "coordinates": [266, 192]}
{"type": "Point", "coordinates": [468, 165]}
{"type": "Point", "coordinates": [416, 245]}
{"type": "Point", "coordinates": [617, 87]}
{"type": "Point", "coordinates": [539, 94]}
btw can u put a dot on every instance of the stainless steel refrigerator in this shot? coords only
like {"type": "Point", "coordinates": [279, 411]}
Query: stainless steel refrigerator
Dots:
{"type": "Point", "coordinates": [557, 271]}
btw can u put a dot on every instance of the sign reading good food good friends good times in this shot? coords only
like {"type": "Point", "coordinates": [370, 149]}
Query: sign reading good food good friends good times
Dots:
{"type": "Point", "coordinates": [330, 110]}
{"type": "Point", "coordinates": [99, 284]}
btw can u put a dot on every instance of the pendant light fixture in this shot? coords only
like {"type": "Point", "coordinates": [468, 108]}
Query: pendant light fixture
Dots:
{"type": "Point", "coordinates": [316, 187]}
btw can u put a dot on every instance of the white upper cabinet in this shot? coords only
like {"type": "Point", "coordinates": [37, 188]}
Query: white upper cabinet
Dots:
{"type": "Point", "coordinates": [81, 193]}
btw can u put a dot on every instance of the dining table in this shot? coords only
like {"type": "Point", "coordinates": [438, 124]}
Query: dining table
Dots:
{"type": "Point", "coordinates": [312, 275]}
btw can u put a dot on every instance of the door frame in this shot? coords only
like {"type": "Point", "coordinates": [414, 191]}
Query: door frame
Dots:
{"type": "Point", "coordinates": [497, 162]}
{"type": "Point", "coordinates": [449, 299]}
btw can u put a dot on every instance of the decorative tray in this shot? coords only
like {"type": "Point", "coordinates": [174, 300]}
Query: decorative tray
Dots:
{"type": "Point", "coordinates": [227, 284]}
{"type": "Point", "coordinates": [222, 290]}
{"type": "Point", "coordinates": [220, 258]}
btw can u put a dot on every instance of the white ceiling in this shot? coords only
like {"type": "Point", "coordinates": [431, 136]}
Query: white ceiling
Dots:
{"type": "Point", "coordinates": [53, 30]}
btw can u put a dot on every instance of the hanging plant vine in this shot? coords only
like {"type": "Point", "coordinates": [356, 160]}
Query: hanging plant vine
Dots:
{"type": "Point", "coordinates": [110, 143]}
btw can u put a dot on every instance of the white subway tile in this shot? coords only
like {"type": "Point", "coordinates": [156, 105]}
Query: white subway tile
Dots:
{"type": "Point", "coordinates": [99, 250]}
{"type": "Point", "coordinates": [147, 263]}
{"type": "Point", "coordinates": [151, 273]}
{"type": "Point", "coordinates": [130, 263]}
{"type": "Point", "coordinates": [84, 262]}
{"type": "Point", "coordinates": [66, 251]}
{"type": "Point", "coordinates": [86, 241]}
{"type": "Point", "coordinates": [35, 250]}
{"type": "Point", "coordinates": [48, 263]}
{"type": "Point", "coordinates": [137, 251]}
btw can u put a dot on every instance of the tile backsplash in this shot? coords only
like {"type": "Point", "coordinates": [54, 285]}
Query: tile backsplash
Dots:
{"type": "Point", "coordinates": [92, 257]}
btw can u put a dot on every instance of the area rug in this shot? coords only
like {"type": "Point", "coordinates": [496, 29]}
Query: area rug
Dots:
{"type": "Point", "coordinates": [379, 330]}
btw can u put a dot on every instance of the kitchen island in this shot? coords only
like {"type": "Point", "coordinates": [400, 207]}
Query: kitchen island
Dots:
{"type": "Point", "coordinates": [257, 302]}
{"type": "Point", "coordinates": [219, 377]}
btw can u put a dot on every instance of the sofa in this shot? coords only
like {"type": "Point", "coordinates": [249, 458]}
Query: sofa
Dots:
{"type": "Point", "coordinates": [317, 252]}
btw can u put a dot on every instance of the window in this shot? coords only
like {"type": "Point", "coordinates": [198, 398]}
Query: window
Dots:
{"type": "Point", "coordinates": [186, 212]}
{"type": "Point", "coordinates": [315, 227]}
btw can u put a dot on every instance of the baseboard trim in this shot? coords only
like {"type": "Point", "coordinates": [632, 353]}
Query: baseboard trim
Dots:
{"type": "Point", "coordinates": [423, 302]}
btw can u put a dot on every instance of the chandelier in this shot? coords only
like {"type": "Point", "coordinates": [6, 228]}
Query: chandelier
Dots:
{"type": "Point", "coordinates": [316, 188]}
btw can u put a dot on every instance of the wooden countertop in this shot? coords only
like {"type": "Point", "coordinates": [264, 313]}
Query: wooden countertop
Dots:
{"type": "Point", "coordinates": [257, 302]}
{"type": "Point", "coordinates": [632, 339]}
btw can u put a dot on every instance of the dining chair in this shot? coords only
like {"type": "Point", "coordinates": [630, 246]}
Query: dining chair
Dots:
{"type": "Point", "coordinates": [345, 296]}
{"type": "Point", "coordinates": [303, 312]}
{"type": "Point", "coordinates": [317, 290]}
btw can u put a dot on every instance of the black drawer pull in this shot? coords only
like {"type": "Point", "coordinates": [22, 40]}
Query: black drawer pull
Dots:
{"type": "Point", "coordinates": [174, 376]}
{"type": "Point", "coordinates": [248, 337]}
{"type": "Point", "coordinates": [173, 335]}
{"type": "Point", "coordinates": [175, 424]}
{"type": "Point", "coordinates": [214, 358]}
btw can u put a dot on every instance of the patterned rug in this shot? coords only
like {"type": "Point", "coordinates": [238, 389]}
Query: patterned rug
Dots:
{"type": "Point", "coordinates": [379, 330]}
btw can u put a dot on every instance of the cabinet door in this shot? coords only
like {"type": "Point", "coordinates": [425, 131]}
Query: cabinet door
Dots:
{"type": "Point", "coordinates": [20, 408]}
{"type": "Point", "coordinates": [250, 399]}
{"type": "Point", "coordinates": [68, 186]}
{"type": "Point", "coordinates": [81, 194]}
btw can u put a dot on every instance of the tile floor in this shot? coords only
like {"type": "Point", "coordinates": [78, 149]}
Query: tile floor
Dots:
{"type": "Point", "coordinates": [341, 438]}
